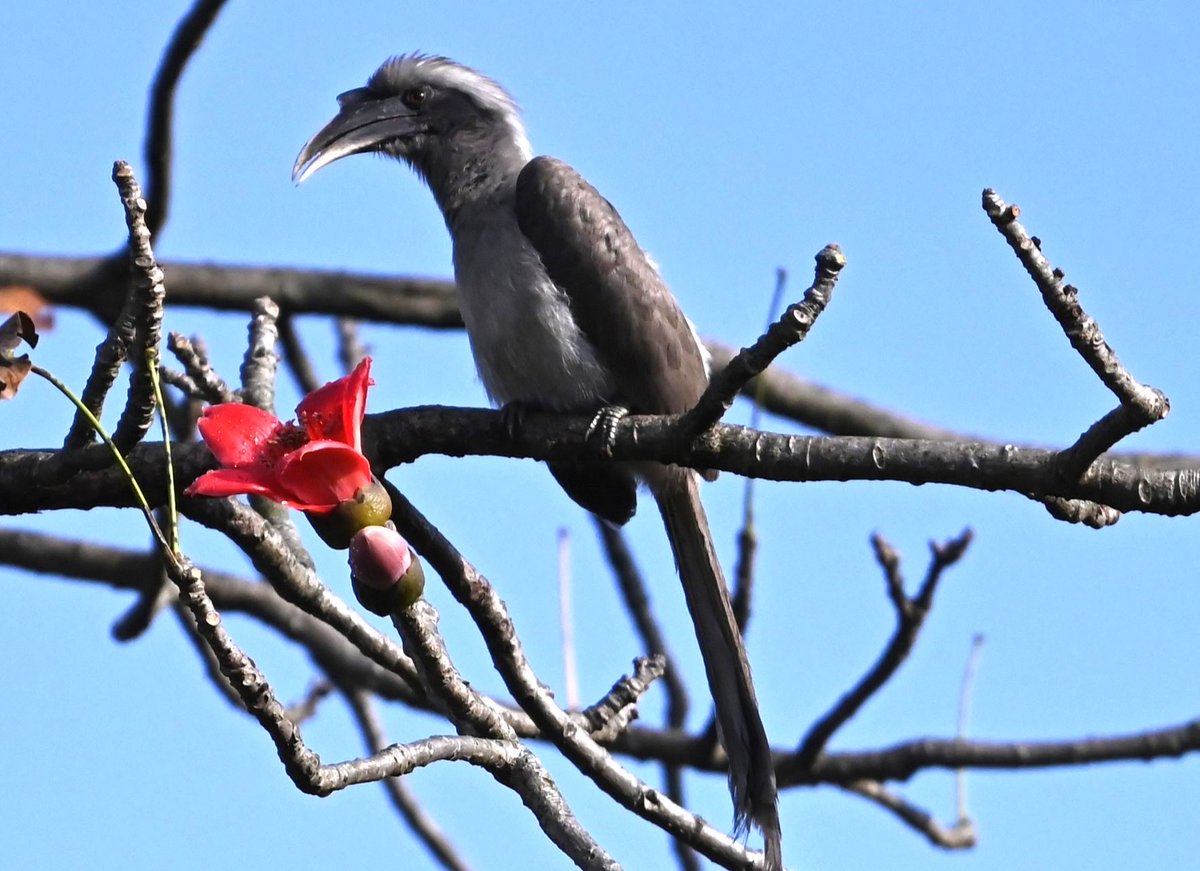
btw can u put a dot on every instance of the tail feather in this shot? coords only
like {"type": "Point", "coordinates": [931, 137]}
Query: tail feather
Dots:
{"type": "Point", "coordinates": [751, 775]}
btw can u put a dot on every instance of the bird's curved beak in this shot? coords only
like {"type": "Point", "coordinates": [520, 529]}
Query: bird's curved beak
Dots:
{"type": "Point", "coordinates": [365, 123]}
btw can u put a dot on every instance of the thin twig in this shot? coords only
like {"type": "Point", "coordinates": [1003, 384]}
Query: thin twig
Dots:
{"type": "Point", "coordinates": [491, 617]}
{"type": "Point", "coordinates": [783, 334]}
{"type": "Point", "coordinates": [261, 361]}
{"type": "Point", "coordinates": [297, 359]}
{"type": "Point", "coordinates": [351, 350]}
{"type": "Point", "coordinates": [147, 295]}
{"type": "Point", "coordinates": [305, 709]}
{"type": "Point", "coordinates": [964, 717]}
{"type": "Point", "coordinates": [910, 616]}
{"type": "Point", "coordinates": [960, 836]}
{"type": "Point", "coordinates": [194, 358]}
{"type": "Point", "coordinates": [471, 713]}
{"type": "Point", "coordinates": [566, 620]}
{"type": "Point", "coordinates": [1140, 404]}
{"type": "Point", "coordinates": [158, 146]}
{"type": "Point", "coordinates": [423, 825]}
{"type": "Point", "coordinates": [613, 713]}
{"type": "Point", "coordinates": [180, 381]}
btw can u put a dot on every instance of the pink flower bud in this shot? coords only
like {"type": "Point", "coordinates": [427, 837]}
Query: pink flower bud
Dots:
{"type": "Point", "coordinates": [379, 556]}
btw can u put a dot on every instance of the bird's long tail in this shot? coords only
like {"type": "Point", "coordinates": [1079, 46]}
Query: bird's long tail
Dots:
{"type": "Point", "coordinates": [751, 775]}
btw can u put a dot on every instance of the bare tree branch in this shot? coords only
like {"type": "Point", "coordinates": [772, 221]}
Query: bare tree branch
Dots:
{"type": "Point", "coordinates": [472, 714]}
{"type": "Point", "coordinates": [491, 617]}
{"type": "Point", "coordinates": [338, 658]}
{"type": "Point", "coordinates": [422, 824]}
{"type": "Point", "coordinates": [194, 357]}
{"type": "Point", "coordinates": [431, 303]}
{"type": "Point", "coordinates": [295, 581]}
{"type": "Point", "coordinates": [1140, 405]}
{"type": "Point", "coordinates": [37, 479]}
{"type": "Point", "coordinates": [260, 363]}
{"type": "Point", "coordinates": [297, 359]}
{"type": "Point", "coordinates": [183, 45]}
{"type": "Point", "coordinates": [147, 297]}
{"type": "Point", "coordinates": [910, 616]}
{"type": "Point", "coordinates": [83, 283]}
{"type": "Point", "coordinates": [130, 570]}
{"type": "Point", "coordinates": [902, 761]}
{"type": "Point", "coordinates": [783, 334]}
{"type": "Point", "coordinates": [960, 836]}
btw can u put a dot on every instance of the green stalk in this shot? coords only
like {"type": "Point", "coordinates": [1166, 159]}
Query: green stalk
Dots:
{"type": "Point", "coordinates": [99, 428]}
{"type": "Point", "coordinates": [172, 511]}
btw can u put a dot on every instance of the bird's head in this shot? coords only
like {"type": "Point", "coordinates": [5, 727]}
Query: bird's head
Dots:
{"type": "Point", "coordinates": [436, 115]}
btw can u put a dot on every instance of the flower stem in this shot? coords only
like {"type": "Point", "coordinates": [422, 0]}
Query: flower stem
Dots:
{"type": "Point", "coordinates": [99, 428]}
{"type": "Point", "coordinates": [172, 510]}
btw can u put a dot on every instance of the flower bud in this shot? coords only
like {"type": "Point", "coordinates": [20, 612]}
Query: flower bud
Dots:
{"type": "Point", "coordinates": [385, 574]}
{"type": "Point", "coordinates": [370, 507]}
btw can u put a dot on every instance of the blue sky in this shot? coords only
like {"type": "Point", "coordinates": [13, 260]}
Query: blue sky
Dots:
{"type": "Point", "coordinates": [733, 143]}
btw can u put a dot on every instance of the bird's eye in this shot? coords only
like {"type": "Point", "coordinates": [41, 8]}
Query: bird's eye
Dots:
{"type": "Point", "coordinates": [416, 97]}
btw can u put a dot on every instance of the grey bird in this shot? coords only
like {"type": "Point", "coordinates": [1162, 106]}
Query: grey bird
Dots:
{"type": "Point", "coordinates": [565, 313]}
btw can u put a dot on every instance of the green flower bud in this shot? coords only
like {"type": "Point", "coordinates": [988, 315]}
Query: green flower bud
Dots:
{"type": "Point", "coordinates": [371, 506]}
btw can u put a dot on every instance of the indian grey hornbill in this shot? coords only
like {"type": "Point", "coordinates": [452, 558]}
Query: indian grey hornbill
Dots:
{"type": "Point", "coordinates": [564, 313]}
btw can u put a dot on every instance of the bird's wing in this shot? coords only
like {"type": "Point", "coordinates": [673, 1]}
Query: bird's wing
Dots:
{"type": "Point", "coordinates": [616, 295]}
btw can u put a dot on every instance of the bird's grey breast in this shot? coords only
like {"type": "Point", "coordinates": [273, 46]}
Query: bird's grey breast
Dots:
{"type": "Point", "coordinates": [526, 343]}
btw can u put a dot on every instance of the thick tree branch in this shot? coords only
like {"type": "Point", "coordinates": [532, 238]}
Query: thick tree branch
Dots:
{"type": "Point", "coordinates": [33, 480]}
{"type": "Point", "coordinates": [901, 761]}
{"type": "Point", "coordinates": [81, 282]}
{"type": "Point", "coordinates": [431, 303]}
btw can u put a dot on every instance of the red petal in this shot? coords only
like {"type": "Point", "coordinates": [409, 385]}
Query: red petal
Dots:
{"type": "Point", "coordinates": [238, 482]}
{"type": "Point", "coordinates": [235, 482]}
{"type": "Point", "coordinates": [336, 410]}
{"type": "Point", "coordinates": [323, 473]}
{"type": "Point", "coordinates": [238, 435]}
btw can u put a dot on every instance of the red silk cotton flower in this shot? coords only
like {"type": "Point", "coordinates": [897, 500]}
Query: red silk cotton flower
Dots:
{"type": "Point", "coordinates": [313, 465]}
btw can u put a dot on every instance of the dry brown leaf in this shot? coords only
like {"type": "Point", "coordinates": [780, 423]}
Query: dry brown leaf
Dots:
{"type": "Point", "coordinates": [17, 297]}
{"type": "Point", "coordinates": [13, 370]}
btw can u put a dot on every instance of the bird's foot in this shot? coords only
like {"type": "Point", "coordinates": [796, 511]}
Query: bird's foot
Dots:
{"type": "Point", "coordinates": [512, 416]}
{"type": "Point", "coordinates": [602, 431]}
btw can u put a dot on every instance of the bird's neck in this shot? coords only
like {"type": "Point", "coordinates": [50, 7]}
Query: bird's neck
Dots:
{"type": "Point", "coordinates": [467, 176]}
